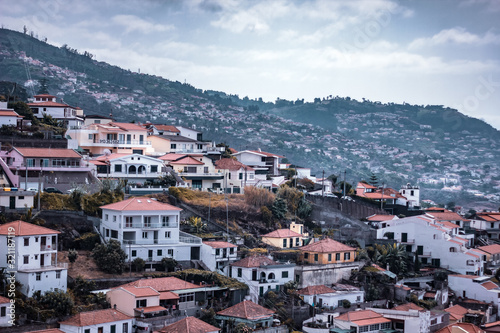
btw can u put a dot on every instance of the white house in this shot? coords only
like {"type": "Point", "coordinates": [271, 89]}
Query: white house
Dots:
{"type": "Point", "coordinates": [436, 243]}
{"type": "Point", "coordinates": [263, 163]}
{"type": "Point", "coordinates": [412, 194]}
{"type": "Point", "coordinates": [5, 313]}
{"type": "Point", "coordinates": [35, 257]}
{"type": "Point", "coordinates": [46, 104]}
{"type": "Point", "coordinates": [323, 296]}
{"type": "Point", "coordinates": [8, 117]}
{"type": "Point", "coordinates": [480, 288]}
{"type": "Point", "coordinates": [237, 175]}
{"type": "Point", "coordinates": [135, 168]}
{"type": "Point", "coordinates": [218, 255]}
{"type": "Point", "coordinates": [99, 321]}
{"type": "Point", "coordinates": [148, 229]}
{"type": "Point", "coordinates": [367, 321]}
{"type": "Point", "coordinates": [261, 274]}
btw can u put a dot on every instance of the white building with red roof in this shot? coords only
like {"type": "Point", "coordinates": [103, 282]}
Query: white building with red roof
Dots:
{"type": "Point", "coordinates": [283, 239]}
{"type": "Point", "coordinates": [108, 320]}
{"type": "Point", "coordinates": [218, 255]}
{"type": "Point", "coordinates": [437, 243]}
{"type": "Point", "coordinates": [253, 315]}
{"type": "Point", "coordinates": [263, 163]}
{"type": "Point", "coordinates": [197, 170]}
{"type": "Point", "coordinates": [237, 175]}
{"type": "Point", "coordinates": [189, 325]}
{"type": "Point", "coordinates": [261, 274]}
{"type": "Point", "coordinates": [33, 256]}
{"type": "Point", "coordinates": [46, 104]}
{"type": "Point", "coordinates": [148, 229]}
{"type": "Point", "coordinates": [367, 321]}
{"type": "Point", "coordinates": [5, 312]}
{"type": "Point", "coordinates": [479, 288]}
{"type": "Point", "coordinates": [326, 297]}
{"type": "Point", "coordinates": [135, 168]}
{"type": "Point", "coordinates": [9, 117]}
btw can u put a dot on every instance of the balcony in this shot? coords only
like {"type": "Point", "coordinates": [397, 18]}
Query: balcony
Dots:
{"type": "Point", "coordinates": [58, 266]}
{"type": "Point", "coordinates": [152, 225]}
{"type": "Point", "coordinates": [187, 238]}
{"type": "Point", "coordinates": [196, 176]}
{"type": "Point", "coordinates": [408, 241]}
{"type": "Point", "coordinates": [48, 247]}
{"type": "Point", "coordinates": [116, 143]}
{"type": "Point", "coordinates": [149, 241]}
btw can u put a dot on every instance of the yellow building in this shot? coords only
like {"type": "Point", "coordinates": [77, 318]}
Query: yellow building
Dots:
{"type": "Point", "coordinates": [283, 238]}
{"type": "Point", "coordinates": [327, 251]}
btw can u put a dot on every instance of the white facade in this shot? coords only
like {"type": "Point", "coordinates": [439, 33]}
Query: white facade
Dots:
{"type": "Point", "coordinates": [35, 254]}
{"type": "Point", "coordinates": [8, 117]}
{"type": "Point", "coordinates": [5, 312]}
{"type": "Point", "coordinates": [412, 194]}
{"type": "Point", "coordinates": [118, 326]}
{"type": "Point", "coordinates": [475, 287]}
{"type": "Point", "coordinates": [414, 320]}
{"type": "Point", "coordinates": [149, 230]}
{"type": "Point", "coordinates": [263, 163]}
{"type": "Point", "coordinates": [436, 243]}
{"type": "Point", "coordinates": [47, 105]}
{"type": "Point", "coordinates": [335, 299]}
{"type": "Point", "coordinates": [133, 167]}
{"type": "Point", "coordinates": [218, 255]}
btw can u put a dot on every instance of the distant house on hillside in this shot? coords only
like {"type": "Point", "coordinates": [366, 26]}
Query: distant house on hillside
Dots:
{"type": "Point", "coordinates": [45, 104]}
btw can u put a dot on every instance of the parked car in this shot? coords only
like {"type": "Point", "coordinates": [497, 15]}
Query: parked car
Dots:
{"type": "Point", "coordinates": [52, 190]}
{"type": "Point", "coordinates": [33, 189]}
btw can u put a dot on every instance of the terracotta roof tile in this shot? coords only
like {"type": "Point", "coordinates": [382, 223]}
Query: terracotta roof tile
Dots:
{"type": "Point", "coordinates": [172, 157]}
{"type": "Point", "coordinates": [231, 164]}
{"type": "Point", "coordinates": [4, 300]}
{"type": "Point", "coordinates": [140, 203]}
{"type": "Point", "coordinates": [219, 244]}
{"type": "Point", "coordinates": [95, 317]}
{"type": "Point", "coordinates": [379, 218]}
{"type": "Point", "coordinates": [489, 285]}
{"type": "Point", "coordinates": [247, 310]}
{"type": "Point", "coordinates": [408, 307]}
{"type": "Point", "coordinates": [141, 291]}
{"type": "Point", "coordinates": [188, 160]}
{"type": "Point", "coordinates": [316, 290]}
{"type": "Point", "coordinates": [460, 327]}
{"type": "Point", "coordinates": [9, 113]}
{"type": "Point", "coordinates": [128, 126]}
{"type": "Point", "coordinates": [164, 295]}
{"type": "Point", "coordinates": [446, 216]}
{"type": "Point", "coordinates": [150, 309]}
{"type": "Point", "coordinates": [326, 245]}
{"type": "Point", "coordinates": [363, 317]}
{"type": "Point", "coordinates": [189, 325]}
{"type": "Point", "coordinates": [163, 284]}
{"type": "Point", "coordinates": [254, 261]}
{"type": "Point", "coordinates": [48, 152]}
{"type": "Point", "coordinates": [282, 233]}
{"type": "Point", "coordinates": [49, 104]}
{"type": "Point", "coordinates": [169, 128]}
{"type": "Point", "coordinates": [491, 249]}
{"type": "Point", "coordinates": [22, 228]}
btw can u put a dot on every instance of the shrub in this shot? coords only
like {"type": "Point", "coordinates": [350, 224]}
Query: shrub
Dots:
{"type": "Point", "coordinates": [279, 208]}
{"type": "Point", "coordinates": [110, 257]}
{"type": "Point", "coordinates": [87, 241]}
{"type": "Point", "coordinates": [138, 264]}
{"type": "Point", "coordinates": [267, 215]}
{"type": "Point", "coordinates": [346, 304]}
{"type": "Point", "coordinates": [168, 264]}
{"type": "Point", "coordinates": [72, 255]}
{"type": "Point", "coordinates": [258, 197]}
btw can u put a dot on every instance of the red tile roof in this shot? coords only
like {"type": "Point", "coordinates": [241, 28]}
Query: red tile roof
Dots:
{"type": "Point", "coordinates": [140, 203]}
{"type": "Point", "coordinates": [95, 317]}
{"type": "Point", "coordinates": [363, 317]}
{"type": "Point", "coordinates": [171, 157]}
{"type": "Point", "coordinates": [4, 300]}
{"type": "Point", "coordinates": [408, 307]}
{"type": "Point", "coordinates": [380, 218]}
{"type": "Point", "coordinates": [22, 228]}
{"type": "Point", "coordinates": [325, 246]}
{"type": "Point", "coordinates": [127, 126]}
{"type": "Point", "coordinates": [49, 330]}
{"type": "Point", "coordinates": [169, 128]}
{"type": "Point", "coordinates": [366, 185]}
{"type": "Point", "coordinates": [49, 104]}
{"type": "Point", "coordinates": [446, 216]}
{"type": "Point", "coordinates": [247, 310]}
{"type": "Point", "coordinates": [315, 290]}
{"type": "Point", "coordinates": [9, 113]}
{"type": "Point", "coordinates": [489, 216]}
{"type": "Point", "coordinates": [189, 325]}
{"type": "Point", "coordinates": [48, 152]}
{"type": "Point", "coordinates": [231, 164]}
{"type": "Point", "coordinates": [489, 285]}
{"type": "Point", "coordinates": [219, 244]}
{"type": "Point", "coordinates": [164, 295]}
{"type": "Point", "coordinates": [460, 327]}
{"type": "Point", "coordinates": [491, 249]}
{"type": "Point", "coordinates": [150, 309]}
{"type": "Point", "coordinates": [456, 311]}
{"type": "Point", "coordinates": [141, 291]}
{"type": "Point", "coordinates": [267, 154]}
{"type": "Point", "coordinates": [188, 160]}
{"type": "Point", "coordinates": [254, 261]}
{"type": "Point", "coordinates": [282, 233]}
{"type": "Point", "coordinates": [163, 284]}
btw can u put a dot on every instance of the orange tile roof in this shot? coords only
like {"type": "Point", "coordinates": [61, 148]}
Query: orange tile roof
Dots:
{"type": "Point", "coordinates": [489, 216]}
{"type": "Point", "coordinates": [163, 284]}
{"type": "Point", "coordinates": [267, 154]}
{"type": "Point", "coordinates": [141, 291]}
{"type": "Point", "coordinates": [315, 290]}
{"type": "Point", "coordinates": [363, 317]}
{"type": "Point", "coordinates": [169, 128]}
{"type": "Point", "coordinates": [140, 203]}
{"type": "Point", "coordinates": [171, 157]}
{"type": "Point", "coordinates": [111, 156]}
{"type": "Point", "coordinates": [164, 295]}
{"type": "Point", "coordinates": [495, 323]}
{"type": "Point", "coordinates": [49, 330]}
{"type": "Point", "coordinates": [150, 309]}
{"type": "Point", "coordinates": [446, 216]}
{"type": "Point", "coordinates": [282, 233]}
{"type": "Point", "coordinates": [366, 185]}
{"type": "Point", "coordinates": [448, 224]}
{"type": "Point", "coordinates": [9, 113]}
{"type": "Point", "coordinates": [127, 126]}
{"type": "Point", "coordinates": [231, 164]}
{"type": "Point", "coordinates": [49, 104]}
{"type": "Point", "coordinates": [247, 310]}
{"type": "Point", "coordinates": [95, 317]}
{"type": "Point", "coordinates": [408, 307]}
{"type": "Point", "coordinates": [219, 244]}
{"type": "Point", "coordinates": [22, 228]}
{"type": "Point", "coordinates": [188, 160]}
{"type": "Point", "coordinates": [254, 261]}
{"type": "Point", "coordinates": [48, 152]}
{"type": "Point", "coordinates": [189, 325]}
{"type": "Point", "coordinates": [380, 218]}
{"type": "Point", "coordinates": [491, 249]}
{"type": "Point", "coordinates": [460, 327]}
{"type": "Point", "coordinates": [326, 245]}
{"type": "Point", "coordinates": [489, 285]}
{"type": "Point", "coordinates": [4, 300]}
{"type": "Point", "coordinates": [376, 195]}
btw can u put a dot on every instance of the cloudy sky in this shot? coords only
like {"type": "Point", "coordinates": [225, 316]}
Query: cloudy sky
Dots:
{"type": "Point", "coordinates": [416, 51]}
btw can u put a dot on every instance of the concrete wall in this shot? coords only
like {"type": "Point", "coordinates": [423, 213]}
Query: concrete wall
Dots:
{"type": "Point", "coordinates": [311, 275]}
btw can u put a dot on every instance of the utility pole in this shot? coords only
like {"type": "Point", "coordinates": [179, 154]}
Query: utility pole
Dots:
{"type": "Point", "coordinates": [382, 198]}
{"type": "Point", "coordinates": [323, 184]}
{"type": "Point", "coordinates": [345, 173]}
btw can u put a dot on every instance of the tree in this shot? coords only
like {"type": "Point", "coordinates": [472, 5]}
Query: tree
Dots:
{"type": "Point", "coordinates": [267, 215]}
{"type": "Point", "coordinates": [59, 301]}
{"type": "Point", "coordinates": [373, 180]}
{"type": "Point", "coordinates": [168, 264]}
{"type": "Point", "coordinates": [110, 257]}
{"type": "Point", "coordinates": [279, 208]}
{"type": "Point", "coordinates": [138, 264]}
{"type": "Point", "coordinates": [43, 86]}
{"type": "Point", "coordinates": [72, 255]}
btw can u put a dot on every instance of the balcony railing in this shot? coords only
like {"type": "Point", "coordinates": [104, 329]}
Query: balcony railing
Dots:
{"type": "Point", "coordinates": [152, 225]}
{"type": "Point", "coordinates": [408, 241]}
{"type": "Point", "coordinates": [48, 247]}
{"type": "Point", "coordinates": [105, 142]}
{"type": "Point", "coordinates": [149, 241]}
{"type": "Point", "coordinates": [187, 238]}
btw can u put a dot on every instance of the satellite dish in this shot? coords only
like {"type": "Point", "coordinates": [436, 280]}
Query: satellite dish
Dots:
{"type": "Point", "coordinates": [107, 152]}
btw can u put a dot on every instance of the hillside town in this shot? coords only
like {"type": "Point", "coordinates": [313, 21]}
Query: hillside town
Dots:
{"type": "Point", "coordinates": [180, 234]}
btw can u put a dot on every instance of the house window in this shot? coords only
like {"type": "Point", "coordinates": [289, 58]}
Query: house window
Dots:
{"type": "Point", "coordinates": [87, 330]}
{"type": "Point", "coordinates": [118, 168]}
{"type": "Point", "coordinates": [134, 253]}
{"type": "Point", "coordinates": [306, 255]}
{"type": "Point", "coordinates": [141, 303]}
{"type": "Point", "coordinates": [374, 327]}
{"type": "Point", "coordinates": [105, 217]}
{"type": "Point", "coordinates": [144, 235]}
{"type": "Point", "coordinates": [154, 168]}
{"type": "Point", "coordinates": [173, 146]}
{"type": "Point", "coordinates": [284, 242]}
{"type": "Point", "coordinates": [229, 175]}
{"type": "Point", "coordinates": [38, 276]}
{"type": "Point", "coordinates": [205, 169]}
{"type": "Point", "coordinates": [385, 326]}
{"type": "Point", "coordinates": [58, 274]}
{"type": "Point", "coordinates": [112, 329]}
{"type": "Point", "coordinates": [284, 274]}
{"type": "Point", "coordinates": [26, 242]}
{"type": "Point", "coordinates": [186, 298]}
{"type": "Point", "coordinates": [147, 221]}
{"type": "Point", "coordinates": [171, 252]}
{"type": "Point", "coordinates": [364, 328]}
{"type": "Point", "coordinates": [347, 256]}
{"type": "Point", "coordinates": [217, 252]}
{"type": "Point", "coordinates": [240, 175]}
{"type": "Point", "coordinates": [3, 311]}
{"type": "Point", "coordinates": [26, 260]}
{"type": "Point", "coordinates": [128, 222]}
{"type": "Point", "coordinates": [107, 232]}
{"type": "Point", "coordinates": [114, 218]}
{"type": "Point", "coordinates": [240, 272]}
{"type": "Point", "coordinates": [30, 162]}
{"type": "Point", "coordinates": [125, 328]}
{"type": "Point", "coordinates": [297, 241]}
{"type": "Point", "coordinates": [159, 253]}
{"type": "Point", "coordinates": [167, 234]}
{"type": "Point", "coordinates": [329, 257]}
{"type": "Point", "coordinates": [315, 257]}
{"type": "Point", "coordinates": [337, 256]}
{"type": "Point", "coordinates": [231, 250]}
{"type": "Point", "coordinates": [114, 234]}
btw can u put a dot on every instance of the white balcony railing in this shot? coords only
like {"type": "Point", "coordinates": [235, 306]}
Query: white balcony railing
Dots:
{"type": "Point", "coordinates": [152, 225]}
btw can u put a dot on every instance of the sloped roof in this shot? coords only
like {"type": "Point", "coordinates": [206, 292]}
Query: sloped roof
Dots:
{"type": "Point", "coordinates": [408, 307]}
{"type": "Point", "coordinates": [127, 126]}
{"type": "Point", "coordinates": [151, 309]}
{"type": "Point", "coordinates": [48, 152]}
{"type": "Point", "coordinates": [172, 157]}
{"type": "Point", "coordinates": [489, 285]}
{"type": "Point", "coordinates": [169, 128]}
{"type": "Point", "coordinates": [219, 244]}
{"type": "Point", "coordinates": [446, 216]}
{"type": "Point", "coordinates": [380, 218]}
{"type": "Point", "coordinates": [282, 233]}
{"type": "Point", "coordinates": [316, 290]}
{"type": "Point", "coordinates": [326, 245]}
{"type": "Point", "coordinates": [189, 325]}
{"type": "Point", "coordinates": [489, 216]}
{"type": "Point", "coordinates": [254, 261]}
{"type": "Point", "coordinates": [460, 328]}
{"type": "Point", "coordinates": [140, 203]}
{"type": "Point", "coordinates": [162, 284]}
{"type": "Point", "coordinates": [247, 310]}
{"type": "Point", "coordinates": [188, 160]}
{"type": "Point", "coordinates": [456, 311]}
{"type": "Point", "coordinates": [141, 291]}
{"type": "Point", "coordinates": [22, 228]}
{"type": "Point", "coordinates": [491, 249]}
{"type": "Point", "coordinates": [95, 317]}
{"type": "Point", "coordinates": [4, 300]}
{"type": "Point", "coordinates": [363, 317]}
{"type": "Point", "coordinates": [365, 185]}
{"type": "Point", "coordinates": [231, 164]}
{"type": "Point", "coordinates": [9, 113]}
{"type": "Point", "coordinates": [49, 104]}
